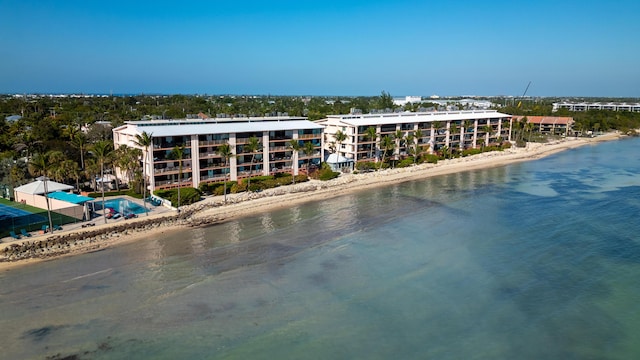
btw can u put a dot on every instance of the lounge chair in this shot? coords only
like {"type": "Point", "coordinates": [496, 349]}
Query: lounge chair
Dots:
{"type": "Point", "coordinates": [57, 227]}
{"type": "Point", "coordinates": [13, 235]}
{"type": "Point", "coordinates": [25, 233]}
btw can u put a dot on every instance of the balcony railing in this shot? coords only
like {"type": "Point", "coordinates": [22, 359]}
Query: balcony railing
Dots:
{"type": "Point", "coordinates": [171, 170]}
{"type": "Point", "coordinates": [204, 143]}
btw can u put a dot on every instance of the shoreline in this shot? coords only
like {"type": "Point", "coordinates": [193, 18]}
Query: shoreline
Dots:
{"type": "Point", "coordinates": [211, 210]}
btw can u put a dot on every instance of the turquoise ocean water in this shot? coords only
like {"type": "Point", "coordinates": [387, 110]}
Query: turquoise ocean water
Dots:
{"type": "Point", "coordinates": [537, 260]}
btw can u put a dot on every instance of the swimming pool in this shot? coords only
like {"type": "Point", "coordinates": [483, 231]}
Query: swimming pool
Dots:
{"type": "Point", "coordinates": [123, 206]}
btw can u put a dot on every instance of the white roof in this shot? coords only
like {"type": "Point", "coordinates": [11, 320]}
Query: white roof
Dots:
{"type": "Point", "coordinates": [181, 128]}
{"type": "Point", "coordinates": [337, 159]}
{"type": "Point", "coordinates": [37, 187]}
{"type": "Point", "coordinates": [413, 117]}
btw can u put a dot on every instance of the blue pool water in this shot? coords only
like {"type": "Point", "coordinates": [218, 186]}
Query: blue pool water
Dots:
{"type": "Point", "coordinates": [537, 260]}
{"type": "Point", "coordinates": [124, 206]}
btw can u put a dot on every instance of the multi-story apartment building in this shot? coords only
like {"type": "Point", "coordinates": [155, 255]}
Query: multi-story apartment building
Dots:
{"type": "Point", "coordinates": [550, 125]}
{"type": "Point", "coordinates": [584, 106]}
{"type": "Point", "coordinates": [453, 129]}
{"type": "Point", "coordinates": [201, 139]}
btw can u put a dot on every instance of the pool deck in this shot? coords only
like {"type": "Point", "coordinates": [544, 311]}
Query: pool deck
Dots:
{"type": "Point", "coordinates": [97, 220]}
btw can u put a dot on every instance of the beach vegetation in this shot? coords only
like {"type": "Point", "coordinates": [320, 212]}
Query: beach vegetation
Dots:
{"type": "Point", "coordinates": [366, 166]}
{"type": "Point", "coordinates": [180, 196]}
{"type": "Point", "coordinates": [144, 140]}
{"type": "Point", "coordinates": [430, 158]}
{"type": "Point", "coordinates": [253, 146]}
{"type": "Point", "coordinates": [226, 153]}
{"type": "Point", "coordinates": [325, 173]}
{"type": "Point", "coordinates": [409, 161]}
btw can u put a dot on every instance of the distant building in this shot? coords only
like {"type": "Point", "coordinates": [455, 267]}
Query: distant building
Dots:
{"type": "Point", "coordinates": [201, 139]}
{"type": "Point", "coordinates": [550, 125]}
{"type": "Point", "coordinates": [407, 100]}
{"type": "Point", "coordinates": [584, 106]}
{"type": "Point", "coordinates": [455, 129]}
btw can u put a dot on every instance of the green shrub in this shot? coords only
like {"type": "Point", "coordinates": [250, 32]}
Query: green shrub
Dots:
{"type": "Point", "coordinates": [405, 163]}
{"type": "Point", "coordinates": [239, 187]}
{"type": "Point", "coordinates": [506, 145]}
{"type": "Point", "coordinates": [327, 174]}
{"type": "Point", "coordinates": [301, 178]}
{"type": "Point", "coordinates": [430, 158]}
{"type": "Point", "coordinates": [188, 195]}
{"type": "Point", "coordinates": [366, 166]}
{"type": "Point", "coordinates": [469, 152]}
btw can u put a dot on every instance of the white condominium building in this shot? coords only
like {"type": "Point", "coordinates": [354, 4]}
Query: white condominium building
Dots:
{"type": "Point", "coordinates": [201, 140]}
{"type": "Point", "coordinates": [584, 106]}
{"type": "Point", "coordinates": [453, 129]}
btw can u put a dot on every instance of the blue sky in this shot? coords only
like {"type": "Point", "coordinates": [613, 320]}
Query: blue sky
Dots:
{"type": "Point", "coordinates": [404, 47]}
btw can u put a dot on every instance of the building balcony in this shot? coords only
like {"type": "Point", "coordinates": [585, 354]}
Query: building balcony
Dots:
{"type": "Point", "coordinates": [168, 184]}
{"type": "Point", "coordinates": [171, 170]}
{"type": "Point", "coordinates": [205, 143]}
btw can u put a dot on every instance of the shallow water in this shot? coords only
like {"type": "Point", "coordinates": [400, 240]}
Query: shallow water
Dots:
{"type": "Point", "coordinates": [529, 261]}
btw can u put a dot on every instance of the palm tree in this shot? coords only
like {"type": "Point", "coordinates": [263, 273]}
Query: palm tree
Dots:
{"type": "Point", "coordinates": [178, 152]}
{"type": "Point", "coordinates": [386, 144]}
{"type": "Point", "coordinates": [79, 141]}
{"type": "Point", "coordinates": [252, 146]}
{"type": "Point", "coordinates": [144, 140]}
{"type": "Point", "coordinates": [126, 159]}
{"type": "Point", "coordinates": [340, 137]}
{"type": "Point", "coordinates": [465, 126]}
{"type": "Point", "coordinates": [308, 150]}
{"type": "Point", "coordinates": [409, 140]}
{"type": "Point", "coordinates": [294, 145]}
{"type": "Point", "coordinates": [399, 140]}
{"type": "Point", "coordinates": [371, 135]}
{"type": "Point", "coordinates": [453, 129]}
{"type": "Point", "coordinates": [436, 126]}
{"type": "Point", "coordinates": [91, 170]}
{"type": "Point", "coordinates": [487, 129]}
{"type": "Point", "coordinates": [418, 148]}
{"type": "Point", "coordinates": [225, 151]}
{"type": "Point", "coordinates": [529, 128]}
{"type": "Point", "coordinates": [72, 169]}
{"type": "Point", "coordinates": [40, 165]}
{"type": "Point", "coordinates": [102, 151]}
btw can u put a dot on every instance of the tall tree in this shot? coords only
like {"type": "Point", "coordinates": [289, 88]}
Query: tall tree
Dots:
{"type": "Point", "coordinates": [487, 129]}
{"type": "Point", "coordinates": [41, 165]}
{"type": "Point", "coordinates": [309, 149]}
{"type": "Point", "coordinates": [418, 148]}
{"type": "Point", "coordinates": [385, 101]}
{"type": "Point", "coordinates": [386, 144]}
{"type": "Point", "coordinates": [178, 152]}
{"type": "Point", "coordinates": [144, 140]}
{"type": "Point", "coordinates": [465, 127]}
{"type": "Point", "coordinates": [371, 134]}
{"type": "Point", "coordinates": [253, 146]}
{"type": "Point", "coordinates": [398, 138]}
{"type": "Point", "coordinates": [453, 129]}
{"type": "Point", "coordinates": [127, 159]}
{"type": "Point", "coordinates": [226, 153]}
{"type": "Point", "coordinates": [79, 141]}
{"type": "Point", "coordinates": [340, 137]}
{"type": "Point", "coordinates": [294, 145]}
{"type": "Point", "coordinates": [102, 151]}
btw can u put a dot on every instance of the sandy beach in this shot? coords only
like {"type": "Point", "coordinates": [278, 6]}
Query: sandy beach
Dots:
{"type": "Point", "coordinates": [211, 210]}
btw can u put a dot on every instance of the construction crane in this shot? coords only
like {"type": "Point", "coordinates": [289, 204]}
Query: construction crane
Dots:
{"type": "Point", "coordinates": [523, 94]}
